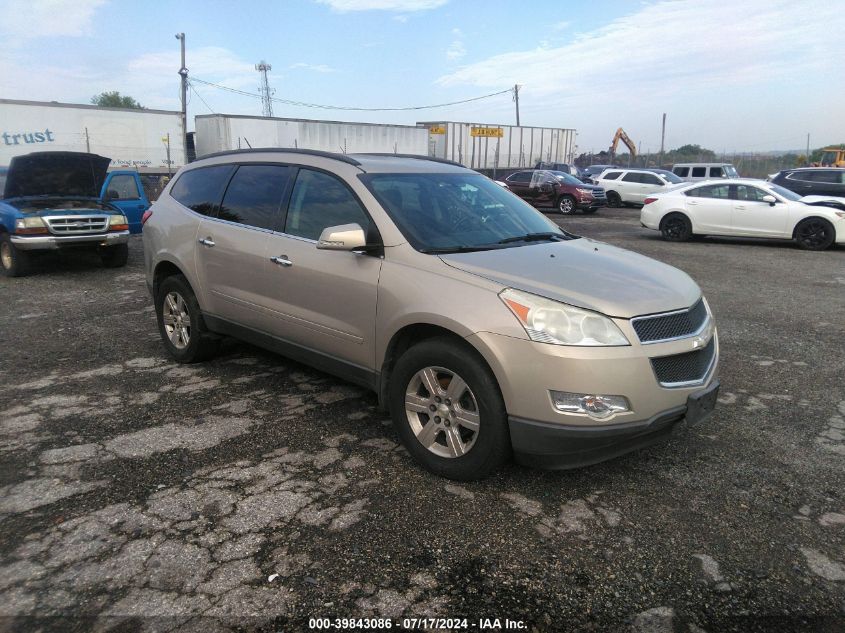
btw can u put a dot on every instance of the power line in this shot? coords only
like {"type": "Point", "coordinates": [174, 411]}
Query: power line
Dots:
{"type": "Point", "coordinates": [333, 107]}
{"type": "Point", "coordinates": [199, 96]}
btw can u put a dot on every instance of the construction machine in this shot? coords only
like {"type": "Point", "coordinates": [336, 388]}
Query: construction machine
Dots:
{"type": "Point", "coordinates": [621, 136]}
{"type": "Point", "coordinates": [832, 157]}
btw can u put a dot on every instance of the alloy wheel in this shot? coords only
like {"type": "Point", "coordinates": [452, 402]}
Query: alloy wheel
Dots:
{"type": "Point", "coordinates": [177, 320]}
{"type": "Point", "coordinates": [6, 255]}
{"type": "Point", "coordinates": [442, 412]}
{"type": "Point", "coordinates": [813, 233]}
{"type": "Point", "coordinates": [566, 205]}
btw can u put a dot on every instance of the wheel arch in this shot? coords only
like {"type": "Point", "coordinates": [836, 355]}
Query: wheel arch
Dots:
{"type": "Point", "coordinates": [672, 213]}
{"type": "Point", "coordinates": [164, 269]}
{"type": "Point", "coordinates": [811, 216]}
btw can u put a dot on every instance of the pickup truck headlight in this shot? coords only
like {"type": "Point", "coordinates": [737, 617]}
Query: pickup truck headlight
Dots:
{"type": "Point", "coordinates": [547, 321]}
{"type": "Point", "coordinates": [29, 226]}
{"type": "Point", "coordinates": [118, 222]}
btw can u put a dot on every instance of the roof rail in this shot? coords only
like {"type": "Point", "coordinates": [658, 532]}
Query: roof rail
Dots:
{"type": "Point", "coordinates": [289, 150]}
{"type": "Point", "coordinates": [445, 161]}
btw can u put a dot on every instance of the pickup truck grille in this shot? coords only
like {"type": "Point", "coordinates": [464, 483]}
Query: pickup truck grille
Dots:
{"type": "Point", "coordinates": [77, 224]}
{"type": "Point", "coordinates": [664, 327]}
{"type": "Point", "coordinates": [685, 369]}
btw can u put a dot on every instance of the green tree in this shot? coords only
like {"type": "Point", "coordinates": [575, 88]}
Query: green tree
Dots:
{"type": "Point", "coordinates": [114, 99]}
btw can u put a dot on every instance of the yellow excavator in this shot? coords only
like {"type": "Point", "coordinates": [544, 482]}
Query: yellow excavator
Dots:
{"type": "Point", "coordinates": [832, 157]}
{"type": "Point", "coordinates": [621, 136]}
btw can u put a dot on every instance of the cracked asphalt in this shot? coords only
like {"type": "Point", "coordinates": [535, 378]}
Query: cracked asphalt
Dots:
{"type": "Point", "coordinates": [254, 493]}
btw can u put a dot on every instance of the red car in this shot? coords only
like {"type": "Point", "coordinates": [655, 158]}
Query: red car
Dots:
{"type": "Point", "coordinates": [555, 189]}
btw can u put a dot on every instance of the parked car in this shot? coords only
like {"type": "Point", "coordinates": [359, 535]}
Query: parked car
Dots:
{"type": "Point", "coordinates": [566, 168]}
{"type": "Point", "coordinates": [559, 190]}
{"type": "Point", "coordinates": [53, 200]}
{"type": "Point", "coordinates": [818, 181]}
{"type": "Point", "coordinates": [632, 186]}
{"type": "Point", "coordinates": [743, 208]}
{"type": "Point", "coordinates": [484, 328]}
{"type": "Point", "coordinates": [693, 172]}
{"type": "Point", "coordinates": [589, 174]}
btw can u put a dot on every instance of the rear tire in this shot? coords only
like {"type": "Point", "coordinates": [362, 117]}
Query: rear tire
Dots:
{"type": "Point", "coordinates": [567, 205]}
{"type": "Point", "coordinates": [471, 439]}
{"type": "Point", "coordinates": [180, 322]}
{"type": "Point", "coordinates": [613, 199]}
{"type": "Point", "coordinates": [814, 234]}
{"type": "Point", "coordinates": [676, 227]}
{"type": "Point", "coordinates": [114, 256]}
{"type": "Point", "coordinates": [13, 262]}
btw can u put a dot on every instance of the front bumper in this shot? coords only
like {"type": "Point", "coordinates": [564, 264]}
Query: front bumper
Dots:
{"type": "Point", "coordinates": [52, 242]}
{"type": "Point", "coordinates": [558, 447]}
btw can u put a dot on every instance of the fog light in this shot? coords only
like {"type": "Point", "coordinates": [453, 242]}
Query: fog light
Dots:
{"type": "Point", "coordinates": [594, 405]}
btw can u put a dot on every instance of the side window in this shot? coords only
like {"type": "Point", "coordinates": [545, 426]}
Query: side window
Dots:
{"type": "Point", "coordinates": [123, 187]}
{"type": "Point", "coordinates": [699, 172]}
{"type": "Point", "coordinates": [825, 176]}
{"type": "Point", "coordinates": [631, 177]}
{"type": "Point", "coordinates": [254, 195]}
{"type": "Point", "coordinates": [716, 172]}
{"type": "Point", "coordinates": [319, 201]}
{"type": "Point", "coordinates": [800, 175]}
{"type": "Point", "coordinates": [710, 191]}
{"type": "Point", "coordinates": [520, 176]}
{"type": "Point", "coordinates": [612, 175]}
{"type": "Point", "coordinates": [651, 179]}
{"type": "Point", "coordinates": [200, 189]}
{"type": "Point", "coordinates": [751, 194]}
{"type": "Point", "coordinates": [683, 172]}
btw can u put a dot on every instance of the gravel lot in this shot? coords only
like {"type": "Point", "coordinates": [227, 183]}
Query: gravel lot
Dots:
{"type": "Point", "coordinates": [254, 492]}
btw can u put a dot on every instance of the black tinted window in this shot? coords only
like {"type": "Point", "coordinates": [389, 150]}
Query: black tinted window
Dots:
{"type": "Point", "coordinates": [319, 201]}
{"type": "Point", "coordinates": [681, 171]}
{"type": "Point", "coordinates": [200, 189]}
{"type": "Point", "coordinates": [650, 179]}
{"type": "Point", "coordinates": [716, 172]}
{"type": "Point", "coordinates": [520, 176]}
{"type": "Point", "coordinates": [710, 191]}
{"type": "Point", "coordinates": [632, 177]}
{"type": "Point", "coordinates": [254, 195]}
{"type": "Point", "coordinates": [611, 175]}
{"type": "Point", "coordinates": [826, 176]}
{"type": "Point", "coordinates": [699, 172]}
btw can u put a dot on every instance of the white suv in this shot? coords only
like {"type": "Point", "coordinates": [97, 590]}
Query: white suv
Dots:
{"type": "Point", "coordinates": [632, 186]}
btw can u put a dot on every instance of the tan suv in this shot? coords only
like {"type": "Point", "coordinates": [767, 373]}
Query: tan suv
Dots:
{"type": "Point", "coordinates": [484, 329]}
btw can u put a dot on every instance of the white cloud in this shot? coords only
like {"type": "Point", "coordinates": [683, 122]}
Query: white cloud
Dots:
{"type": "Point", "coordinates": [456, 49]}
{"type": "Point", "coordinates": [344, 6]}
{"type": "Point", "coordinates": [317, 68]}
{"type": "Point", "coordinates": [26, 19]}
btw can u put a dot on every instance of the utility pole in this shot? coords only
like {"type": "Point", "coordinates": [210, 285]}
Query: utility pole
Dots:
{"type": "Point", "coordinates": [266, 93]}
{"type": "Point", "coordinates": [166, 141]}
{"type": "Point", "coordinates": [516, 88]}
{"type": "Point", "coordinates": [662, 140]}
{"type": "Point", "coordinates": [808, 149]}
{"type": "Point", "coordinates": [88, 142]}
{"type": "Point", "coordinates": [183, 73]}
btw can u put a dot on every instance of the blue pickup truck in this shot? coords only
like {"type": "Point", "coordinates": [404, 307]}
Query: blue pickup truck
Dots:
{"type": "Point", "coordinates": [67, 200]}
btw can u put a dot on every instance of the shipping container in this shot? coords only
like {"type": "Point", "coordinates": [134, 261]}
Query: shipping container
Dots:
{"type": "Point", "coordinates": [131, 138]}
{"type": "Point", "coordinates": [493, 147]}
{"type": "Point", "coordinates": [222, 132]}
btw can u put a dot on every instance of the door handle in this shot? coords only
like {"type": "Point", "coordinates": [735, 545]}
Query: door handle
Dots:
{"type": "Point", "coordinates": [281, 260]}
{"type": "Point", "coordinates": [206, 241]}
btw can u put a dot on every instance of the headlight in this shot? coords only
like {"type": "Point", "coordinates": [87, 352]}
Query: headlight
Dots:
{"type": "Point", "coordinates": [547, 321]}
{"type": "Point", "coordinates": [117, 219]}
{"type": "Point", "coordinates": [584, 191]}
{"type": "Point", "coordinates": [30, 225]}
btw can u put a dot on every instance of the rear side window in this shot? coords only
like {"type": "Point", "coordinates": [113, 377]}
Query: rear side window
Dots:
{"type": "Point", "coordinates": [254, 195]}
{"type": "Point", "coordinates": [716, 172]}
{"type": "Point", "coordinates": [122, 187]}
{"type": "Point", "coordinates": [650, 179]}
{"type": "Point", "coordinates": [520, 176]}
{"type": "Point", "coordinates": [699, 172]}
{"type": "Point", "coordinates": [632, 177]}
{"type": "Point", "coordinates": [319, 201]}
{"type": "Point", "coordinates": [200, 189]}
{"type": "Point", "coordinates": [826, 176]}
{"type": "Point", "coordinates": [611, 175]}
{"type": "Point", "coordinates": [710, 191]}
{"type": "Point", "coordinates": [683, 172]}
{"type": "Point", "coordinates": [800, 175]}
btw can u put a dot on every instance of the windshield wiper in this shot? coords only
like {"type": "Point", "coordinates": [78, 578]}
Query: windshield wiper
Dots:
{"type": "Point", "coordinates": [533, 237]}
{"type": "Point", "coordinates": [455, 249]}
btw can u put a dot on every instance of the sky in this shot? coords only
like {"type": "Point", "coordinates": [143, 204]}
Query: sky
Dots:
{"type": "Point", "coordinates": [747, 75]}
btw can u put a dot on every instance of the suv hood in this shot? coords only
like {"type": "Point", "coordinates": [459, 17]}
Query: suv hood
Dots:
{"type": "Point", "coordinates": [56, 174]}
{"type": "Point", "coordinates": [586, 274]}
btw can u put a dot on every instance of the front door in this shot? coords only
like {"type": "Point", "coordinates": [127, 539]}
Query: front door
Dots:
{"type": "Point", "coordinates": [319, 299]}
{"type": "Point", "coordinates": [754, 217]}
{"type": "Point", "coordinates": [122, 190]}
{"type": "Point", "coordinates": [712, 208]}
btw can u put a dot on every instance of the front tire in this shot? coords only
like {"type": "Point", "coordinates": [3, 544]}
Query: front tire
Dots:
{"type": "Point", "coordinates": [13, 262]}
{"type": "Point", "coordinates": [447, 410]}
{"type": "Point", "coordinates": [567, 205]}
{"type": "Point", "coordinates": [676, 228]}
{"type": "Point", "coordinates": [180, 322]}
{"type": "Point", "coordinates": [114, 256]}
{"type": "Point", "coordinates": [814, 234]}
{"type": "Point", "coordinates": [613, 199]}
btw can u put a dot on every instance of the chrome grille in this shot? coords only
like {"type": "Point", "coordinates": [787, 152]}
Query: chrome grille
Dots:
{"type": "Point", "coordinates": [664, 327]}
{"type": "Point", "coordinates": [77, 224]}
{"type": "Point", "coordinates": [599, 193]}
{"type": "Point", "coordinates": [684, 369]}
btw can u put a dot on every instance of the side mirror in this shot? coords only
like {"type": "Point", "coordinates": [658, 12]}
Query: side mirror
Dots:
{"type": "Point", "coordinates": [770, 199]}
{"type": "Point", "coordinates": [345, 237]}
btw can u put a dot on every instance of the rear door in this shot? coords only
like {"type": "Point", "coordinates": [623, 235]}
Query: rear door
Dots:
{"type": "Point", "coordinates": [123, 190]}
{"type": "Point", "coordinates": [319, 299]}
{"type": "Point", "coordinates": [520, 184]}
{"type": "Point", "coordinates": [828, 182]}
{"type": "Point", "coordinates": [231, 243]}
{"type": "Point", "coordinates": [711, 208]}
{"type": "Point", "coordinates": [754, 217]}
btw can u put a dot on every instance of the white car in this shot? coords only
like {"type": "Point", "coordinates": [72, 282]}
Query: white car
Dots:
{"type": "Point", "coordinates": [743, 208]}
{"type": "Point", "coordinates": [633, 186]}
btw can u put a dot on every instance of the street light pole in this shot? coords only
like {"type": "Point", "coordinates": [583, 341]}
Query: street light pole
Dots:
{"type": "Point", "coordinates": [183, 73]}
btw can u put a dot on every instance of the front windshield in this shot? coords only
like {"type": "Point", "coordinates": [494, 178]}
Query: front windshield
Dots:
{"type": "Point", "coordinates": [454, 212]}
{"type": "Point", "coordinates": [731, 171]}
{"type": "Point", "coordinates": [783, 192]}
